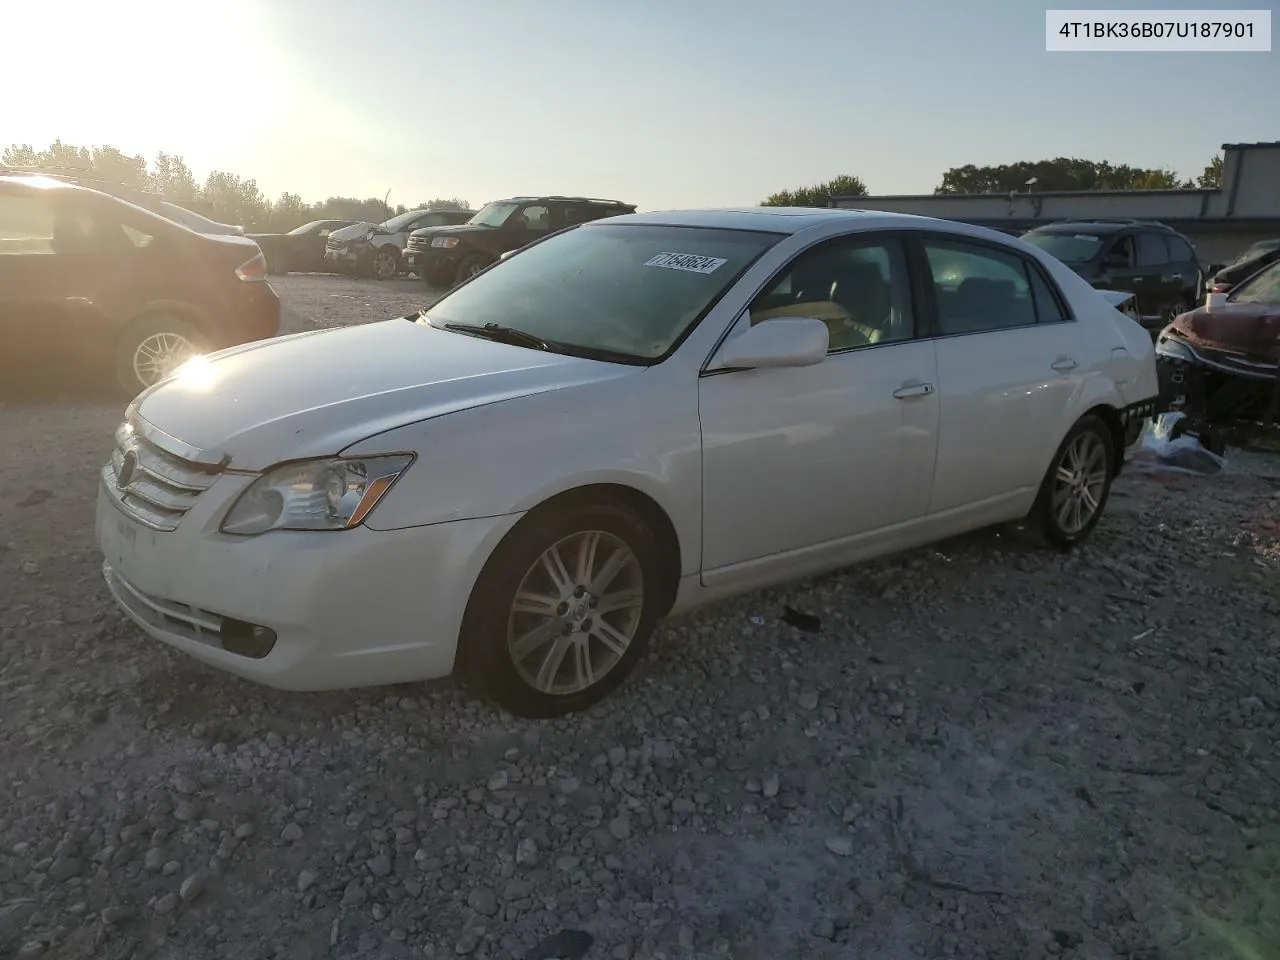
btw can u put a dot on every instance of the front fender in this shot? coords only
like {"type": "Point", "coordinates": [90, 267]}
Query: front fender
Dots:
{"type": "Point", "coordinates": [508, 457]}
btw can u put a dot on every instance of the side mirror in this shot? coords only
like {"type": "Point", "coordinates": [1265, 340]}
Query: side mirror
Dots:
{"type": "Point", "coordinates": [1214, 300]}
{"type": "Point", "coordinates": [784, 342]}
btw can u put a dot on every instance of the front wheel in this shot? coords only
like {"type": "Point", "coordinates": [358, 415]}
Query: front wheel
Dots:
{"type": "Point", "coordinates": [562, 611]}
{"type": "Point", "coordinates": [384, 264]}
{"type": "Point", "coordinates": [1075, 490]}
{"type": "Point", "coordinates": [152, 349]}
{"type": "Point", "coordinates": [469, 267]}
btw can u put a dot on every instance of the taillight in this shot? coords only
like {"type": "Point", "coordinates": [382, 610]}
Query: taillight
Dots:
{"type": "Point", "coordinates": [253, 269]}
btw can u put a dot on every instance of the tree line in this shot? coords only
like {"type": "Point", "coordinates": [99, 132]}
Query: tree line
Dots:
{"type": "Point", "coordinates": [223, 196]}
{"type": "Point", "coordinates": [1061, 173]}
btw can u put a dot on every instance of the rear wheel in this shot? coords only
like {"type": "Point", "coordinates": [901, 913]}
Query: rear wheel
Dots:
{"type": "Point", "coordinates": [562, 611]}
{"type": "Point", "coordinates": [152, 349]}
{"type": "Point", "coordinates": [1075, 490]}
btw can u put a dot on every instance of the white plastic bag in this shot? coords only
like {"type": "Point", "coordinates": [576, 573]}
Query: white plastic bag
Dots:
{"type": "Point", "coordinates": [1164, 446]}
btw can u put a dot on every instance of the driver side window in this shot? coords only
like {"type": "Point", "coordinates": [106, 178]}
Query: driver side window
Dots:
{"type": "Point", "coordinates": [1120, 256]}
{"type": "Point", "coordinates": [858, 287]}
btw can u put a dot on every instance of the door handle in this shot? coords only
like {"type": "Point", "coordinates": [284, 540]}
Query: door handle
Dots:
{"type": "Point", "coordinates": [909, 390]}
{"type": "Point", "coordinates": [1063, 364]}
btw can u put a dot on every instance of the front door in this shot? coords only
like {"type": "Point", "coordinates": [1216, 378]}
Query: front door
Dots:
{"type": "Point", "coordinates": [1159, 284]}
{"type": "Point", "coordinates": [801, 457]}
{"type": "Point", "coordinates": [531, 222]}
{"type": "Point", "coordinates": [1009, 363]}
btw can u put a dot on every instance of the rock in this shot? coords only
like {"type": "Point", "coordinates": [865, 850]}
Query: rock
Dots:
{"type": "Point", "coordinates": [354, 895]}
{"type": "Point", "coordinates": [466, 944]}
{"type": "Point", "coordinates": [64, 868]}
{"type": "Point", "coordinates": [30, 568]}
{"type": "Point", "coordinates": [291, 833]}
{"type": "Point", "coordinates": [192, 887]}
{"type": "Point", "coordinates": [170, 868]}
{"type": "Point", "coordinates": [770, 785]}
{"type": "Point", "coordinates": [307, 879]}
{"type": "Point", "coordinates": [245, 831]}
{"type": "Point", "coordinates": [13, 921]}
{"type": "Point", "coordinates": [115, 915]}
{"type": "Point", "coordinates": [498, 781]}
{"type": "Point", "coordinates": [32, 948]}
{"type": "Point", "coordinates": [620, 828]}
{"type": "Point", "coordinates": [527, 852]}
{"type": "Point", "coordinates": [808, 700]}
{"type": "Point", "coordinates": [824, 930]}
{"type": "Point", "coordinates": [380, 866]}
{"type": "Point", "coordinates": [840, 846]}
{"type": "Point", "coordinates": [483, 900]}
{"type": "Point", "coordinates": [166, 904]}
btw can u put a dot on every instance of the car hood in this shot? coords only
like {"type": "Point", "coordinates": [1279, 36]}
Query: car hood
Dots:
{"type": "Point", "coordinates": [1252, 328]}
{"type": "Point", "coordinates": [353, 232]}
{"type": "Point", "coordinates": [313, 394]}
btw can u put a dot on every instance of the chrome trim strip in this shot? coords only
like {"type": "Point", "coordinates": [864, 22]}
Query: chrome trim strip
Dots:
{"type": "Point", "coordinates": [172, 445]}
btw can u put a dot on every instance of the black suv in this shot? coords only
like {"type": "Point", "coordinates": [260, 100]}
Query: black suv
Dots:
{"type": "Point", "coordinates": [444, 256]}
{"type": "Point", "coordinates": [1154, 262]}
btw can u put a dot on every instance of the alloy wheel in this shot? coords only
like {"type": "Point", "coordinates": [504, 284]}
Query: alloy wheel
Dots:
{"type": "Point", "coordinates": [1080, 482]}
{"type": "Point", "coordinates": [384, 265]}
{"type": "Point", "coordinates": [575, 613]}
{"type": "Point", "coordinates": [159, 355]}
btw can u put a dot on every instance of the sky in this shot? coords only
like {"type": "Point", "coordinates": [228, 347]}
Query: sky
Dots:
{"type": "Point", "coordinates": [661, 103]}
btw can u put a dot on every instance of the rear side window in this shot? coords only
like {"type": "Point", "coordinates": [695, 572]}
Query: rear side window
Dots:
{"type": "Point", "coordinates": [1179, 249]}
{"type": "Point", "coordinates": [26, 225]}
{"type": "Point", "coordinates": [1048, 307]}
{"type": "Point", "coordinates": [978, 288]}
{"type": "Point", "coordinates": [1151, 250]}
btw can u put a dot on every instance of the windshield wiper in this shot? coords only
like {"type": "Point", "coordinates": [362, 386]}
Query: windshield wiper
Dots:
{"type": "Point", "coordinates": [500, 334]}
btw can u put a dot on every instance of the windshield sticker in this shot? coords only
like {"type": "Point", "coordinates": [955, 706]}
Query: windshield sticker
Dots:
{"type": "Point", "coordinates": [1084, 236]}
{"type": "Point", "coordinates": [688, 262]}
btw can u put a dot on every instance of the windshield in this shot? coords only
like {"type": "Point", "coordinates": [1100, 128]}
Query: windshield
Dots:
{"type": "Point", "coordinates": [1262, 287]}
{"type": "Point", "coordinates": [493, 214]}
{"type": "Point", "coordinates": [1255, 251]}
{"type": "Point", "coordinates": [625, 289]}
{"type": "Point", "coordinates": [305, 228]}
{"type": "Point", "coordinates": [1067, 247]}
{"type": "Point", "coordinates": [398, 223]}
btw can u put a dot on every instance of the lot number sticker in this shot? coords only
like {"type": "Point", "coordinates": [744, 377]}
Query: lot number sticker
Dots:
{"type": "Point", "coordinates": [688, 262]}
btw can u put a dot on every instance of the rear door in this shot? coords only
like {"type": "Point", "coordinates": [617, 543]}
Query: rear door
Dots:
{"type": "Point", "coordinates": [1159, 285]}
{"type": "Point", "coordinates": [29, 279]}
{"type": "Point", "coordinates": [1010, 361]}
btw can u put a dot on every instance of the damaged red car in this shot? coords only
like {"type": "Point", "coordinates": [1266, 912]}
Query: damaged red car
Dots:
{"type": "Point", "coordinates": [1221, 361]}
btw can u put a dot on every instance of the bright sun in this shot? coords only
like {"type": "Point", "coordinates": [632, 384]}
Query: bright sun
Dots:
{"type": "Point", "coordinates": [143, 75]}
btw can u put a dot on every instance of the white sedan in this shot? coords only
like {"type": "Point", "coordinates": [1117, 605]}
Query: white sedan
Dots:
{"type": "Point", "coordinates": [624, 420]}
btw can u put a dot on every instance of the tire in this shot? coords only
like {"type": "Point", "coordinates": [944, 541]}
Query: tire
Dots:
{"type": "Point", "coordinates": [384, 263]}
{"type": "Point", "coordinates": [174, 336]}
{"type": "Point", "coordinates": [469, 267]}
{"type": "Point", "coordinates": [560, 622]}
{"type": "Point", "coordinates": [1088, 454]}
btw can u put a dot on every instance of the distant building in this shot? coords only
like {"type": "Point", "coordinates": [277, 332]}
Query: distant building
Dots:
{"type": "Point", "coordinates": [1220, 222]}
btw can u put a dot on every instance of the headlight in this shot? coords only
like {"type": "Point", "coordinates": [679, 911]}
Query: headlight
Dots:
{"type": "Point", "coordinates": [331, 494]}
{"type": "Point", "coordinates": [1167, 346]}
{"type": "Point", "coordinates": [447, 243]}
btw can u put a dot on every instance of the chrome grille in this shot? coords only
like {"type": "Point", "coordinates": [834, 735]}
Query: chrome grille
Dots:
{"type": "Point", "coordinates": [332, 244]}
{"type": "Point", "coordinates": [157, 488]}
{"type": "Point", "coordinates": [419, 243]}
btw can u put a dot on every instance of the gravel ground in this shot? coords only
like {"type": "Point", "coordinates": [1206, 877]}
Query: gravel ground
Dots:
{"type": "Point", "coordinates": [989, 749]}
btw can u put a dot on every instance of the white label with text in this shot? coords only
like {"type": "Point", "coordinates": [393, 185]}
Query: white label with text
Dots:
{"type": "Point", "coordinates": [688, 262]}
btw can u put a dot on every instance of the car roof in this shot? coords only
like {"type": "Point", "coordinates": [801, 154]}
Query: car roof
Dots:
{"type": "Point", "coordinates": [1100, 226]}
{"type": "Point", "coordinates": [563, 199]}
{"type": "Point", "coordinates": [782, 219]}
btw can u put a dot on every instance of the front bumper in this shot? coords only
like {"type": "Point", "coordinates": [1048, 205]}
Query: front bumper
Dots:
{"type": "Point", "coordinates": [348, 609]}
{"type": "Point", "coordinates": [344, 258]}
{"type": "Point", "coordinates": [432, 262]}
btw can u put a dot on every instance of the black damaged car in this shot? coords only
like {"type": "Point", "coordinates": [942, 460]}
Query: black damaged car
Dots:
{"type": "Point", "coordinates": [446, 256]}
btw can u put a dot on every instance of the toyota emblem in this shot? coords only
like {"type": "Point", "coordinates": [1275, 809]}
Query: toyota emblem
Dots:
{"type": "Point", "coordinates": [127, 466]}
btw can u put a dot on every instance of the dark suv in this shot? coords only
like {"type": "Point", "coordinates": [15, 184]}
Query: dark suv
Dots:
{"type": "Point", "coordinates": [1154, 262]}
{"type": "Point", "coordinates": [89, 282]}
{"type": "Point", "coordinates": [444, 256]}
